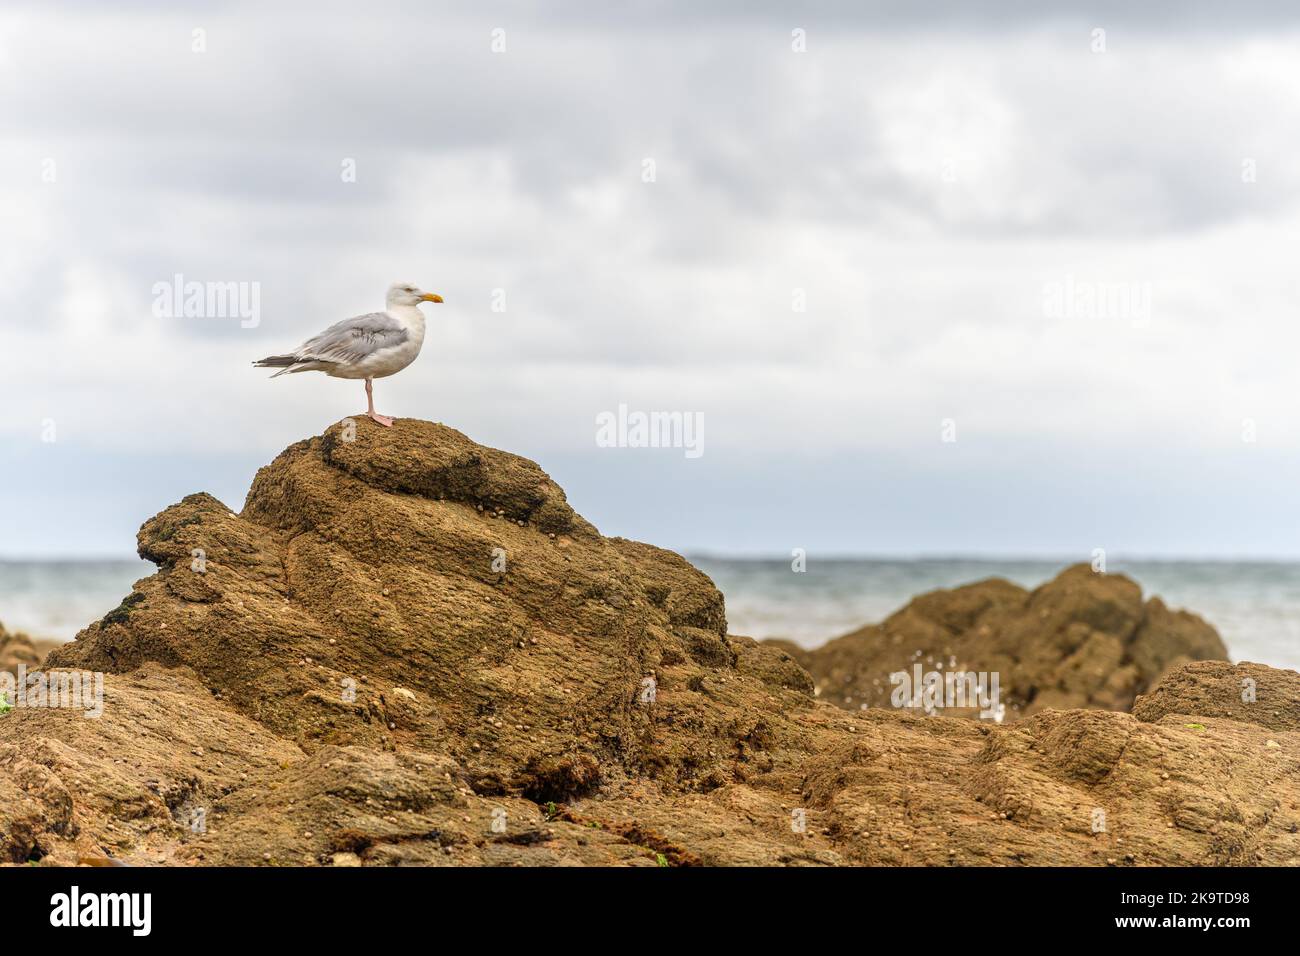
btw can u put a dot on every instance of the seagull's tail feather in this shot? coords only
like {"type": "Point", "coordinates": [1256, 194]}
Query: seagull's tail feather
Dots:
{"type": "Point", "coordinates": [286, 363]}
{"type": "Point", "coordinates": [276, 361]}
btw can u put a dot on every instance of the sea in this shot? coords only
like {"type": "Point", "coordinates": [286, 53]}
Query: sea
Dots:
{"type": "Point", "coordinates": [1255, 605]}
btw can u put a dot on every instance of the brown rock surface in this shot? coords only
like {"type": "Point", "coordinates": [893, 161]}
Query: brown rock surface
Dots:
{"type": "Point", "coordinates": [341, 675]}
{"type": "Point", "coordinates": [1081, 640]}
{"type": "Point", "coordinates": [1245, 692]}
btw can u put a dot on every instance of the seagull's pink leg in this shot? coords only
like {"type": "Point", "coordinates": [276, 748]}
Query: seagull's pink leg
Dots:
{"type": "Point", "coordinates": [370, 407]}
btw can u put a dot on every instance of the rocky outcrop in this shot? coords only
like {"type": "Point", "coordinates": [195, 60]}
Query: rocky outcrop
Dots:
{"type": "Point", "coordinates": [408, 649]}
{"type": "Point", "coordinates": [1082, 640]}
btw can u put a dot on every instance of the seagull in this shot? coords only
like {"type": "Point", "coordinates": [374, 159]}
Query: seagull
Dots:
{"type": "Point", "coordinates": [368, 346]}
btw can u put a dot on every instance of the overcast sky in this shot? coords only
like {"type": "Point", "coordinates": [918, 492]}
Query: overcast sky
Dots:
{"type": "Point", "coordinates": [1073, 252]}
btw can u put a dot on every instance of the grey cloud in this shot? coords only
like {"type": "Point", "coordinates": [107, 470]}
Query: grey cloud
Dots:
{"type": "Point", "coordinates": [522, 171]}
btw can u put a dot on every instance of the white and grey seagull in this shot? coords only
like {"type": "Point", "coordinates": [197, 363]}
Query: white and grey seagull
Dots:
{"type": "Point", "coordinates": [370, 346]}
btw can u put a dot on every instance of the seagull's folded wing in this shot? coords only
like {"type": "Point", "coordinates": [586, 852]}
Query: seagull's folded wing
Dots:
{"type": "Point", "coordinates": [354, 339]}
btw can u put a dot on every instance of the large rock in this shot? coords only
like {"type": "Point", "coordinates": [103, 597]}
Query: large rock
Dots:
{"type": "Point", "coordinates": [411, 589]}
{"type": "Point", "coordinates": [1082, 640]}
{"type": "Point", "coordinates": [345, 673]}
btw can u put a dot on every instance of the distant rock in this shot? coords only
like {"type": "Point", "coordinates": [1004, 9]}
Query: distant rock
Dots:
{"type": "Point", "coordinates": [346, 673]}
{"type": "Point", "coordinates": [1081, 640]}
{"type": "Point", "coordinates": [18, 648]}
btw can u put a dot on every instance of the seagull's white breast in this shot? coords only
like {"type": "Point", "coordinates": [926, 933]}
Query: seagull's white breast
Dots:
{"type": "Point", "coordinates": [391, 360]}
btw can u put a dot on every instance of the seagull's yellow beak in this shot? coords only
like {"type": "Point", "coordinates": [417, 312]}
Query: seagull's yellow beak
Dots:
{"type": "Point", "coordinates": [430, 297]}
